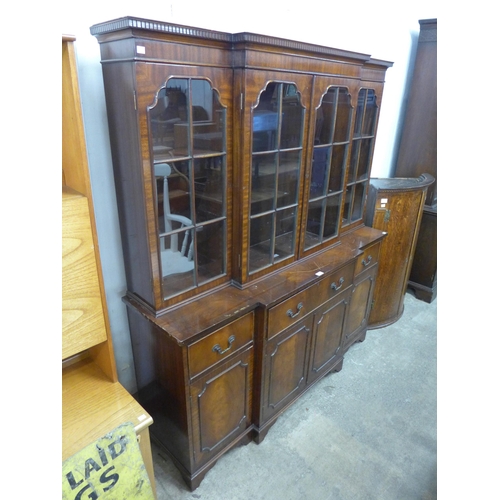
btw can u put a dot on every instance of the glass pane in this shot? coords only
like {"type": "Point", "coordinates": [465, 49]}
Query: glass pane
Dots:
{"type": "Point", "coordinates": [359, 112]}
{"type": "Point", "coordinates": [332, 216]}
{"type": "Point", "coordinates": [288, 178]}
{"type": "Point", "coordinates": [353, 166]}
{"type": "Point", "coordinates": [173, 195]}
{"type": "Point", "coordinates": [285, 233]}
{"type": "Point", "coordinates": [261, 231]}
{"type": "Point", "coordinates": [209, 118]}
{"type": "Point", "coordinates": [177, 262]}
{"type": "Point", "coordinates": [357, 205]}
{"type": "Point", "coordinates": [370, 113]}
{"type": "Point", "coordinates": [210, 250]}
{"type": "Point", "coordinates": [337, 168]}
{"type": "Point", "coordinates": [364, 159]}
{"type": "Point", "coordinates": [263, 183]}
{"type": "Point", "coordinates": [314, 223]}
{"type": "Point", "coordinates": [343, 119]}
{"type": "Point", "coordinates": [347, 206]}
{"type": "Point", "coordinates": [321, 158]}
{"type": "Point", "coordinates": [209, 188]}
{"type": "Point", "coordinates": [292, 117]}
{"type": "Point", "coordinates": [169, 120]}
{"type": "Point", "coordinates": [266, 119]}
{"type": "Point", "coordinates": [325, 117]}
{"type": "Point", "coordinates": [188, 127]}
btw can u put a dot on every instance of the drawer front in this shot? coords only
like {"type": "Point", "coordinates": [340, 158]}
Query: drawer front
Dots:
{"type": "Point", "coordinates": [335, 283]}
{"type": "Point", "coordinates": [368, 258]}
{"type": "Point", "coordinates": [297, 307]}
{"type": "Point", "coordinates": [220, 344]}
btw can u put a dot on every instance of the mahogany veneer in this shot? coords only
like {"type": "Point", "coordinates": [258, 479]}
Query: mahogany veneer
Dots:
{"type": "Point", "coordinates": [261, 148]}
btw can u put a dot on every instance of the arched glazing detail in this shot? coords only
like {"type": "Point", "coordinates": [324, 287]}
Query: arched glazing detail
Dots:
{"type": "Point", "coordinates": [331, 145]}
{"type": "Point", "coordinates": [277, 142]}
{"type": "Point", "coordinates": [187, 123]}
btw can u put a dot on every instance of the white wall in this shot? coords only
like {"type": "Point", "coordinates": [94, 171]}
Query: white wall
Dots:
{"type": "Point", "coordinates": [384, 29]}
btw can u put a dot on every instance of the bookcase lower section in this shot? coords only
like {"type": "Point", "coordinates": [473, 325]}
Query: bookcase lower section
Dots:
{"type": "Point", "coordinates": [229, 379]}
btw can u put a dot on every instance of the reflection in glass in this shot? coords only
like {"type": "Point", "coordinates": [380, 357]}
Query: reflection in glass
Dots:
{"type": "Point", "coordinates": [187, 124]}
{"type": "Point", "coordinates": [277, 129]}
{"type": "Point", "coordinates": [331, 142]}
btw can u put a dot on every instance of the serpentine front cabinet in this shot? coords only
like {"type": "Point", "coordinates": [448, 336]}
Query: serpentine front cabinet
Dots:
{"type": "Point", "coordinates": [242, 164]}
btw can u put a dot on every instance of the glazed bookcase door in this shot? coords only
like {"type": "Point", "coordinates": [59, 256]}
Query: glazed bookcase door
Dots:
{"type": "Point", "coordinates": [273, 151]}
{"type": "Point", "coordinates": [331, 124]}
{"type": "Point", "coordinates": [187, 123]}
{"type": "Point", "coordinates": [363, 141]}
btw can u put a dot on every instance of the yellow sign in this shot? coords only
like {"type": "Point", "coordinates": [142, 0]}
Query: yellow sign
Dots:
{"type": "Point", "coordinates": [111, 468]}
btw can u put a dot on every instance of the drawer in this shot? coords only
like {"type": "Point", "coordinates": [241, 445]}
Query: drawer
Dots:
{"type": "Point", "coordinates": [368, 258]}
{"type": "Point", "coordinates": [219, 345]}
{"type": "Point", "coordinates": [298, 306]}
{"type": "Point", "coordinates": [336, 282]}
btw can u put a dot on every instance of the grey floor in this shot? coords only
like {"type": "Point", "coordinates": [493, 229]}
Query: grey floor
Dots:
{"type": "Point", "coordinates": [366, 432]}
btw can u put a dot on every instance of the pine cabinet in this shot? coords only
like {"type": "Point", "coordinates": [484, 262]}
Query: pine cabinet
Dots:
{"type": "Point", "coordinates": [242, 166]}
{"type": "Point", "coordinates": [93, 401]}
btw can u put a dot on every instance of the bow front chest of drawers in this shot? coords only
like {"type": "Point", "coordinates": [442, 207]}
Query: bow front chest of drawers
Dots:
{"type": "Point", "coordinates": [242, 166]}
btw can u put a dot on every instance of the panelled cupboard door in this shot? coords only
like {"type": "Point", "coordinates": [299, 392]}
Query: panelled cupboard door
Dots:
{"type": "Point", "coordinates": [185, 121]}
{"type": "Point", "coordinates": [272, 150]}
{"type": "Point", "coordinates": [360, 305]}
{"type": "Point", "coordinates": [326, 349]}
{"type": "Point", "coordinates": [285, 366]}
{"type": "Point", "coordinates": [221, 405]}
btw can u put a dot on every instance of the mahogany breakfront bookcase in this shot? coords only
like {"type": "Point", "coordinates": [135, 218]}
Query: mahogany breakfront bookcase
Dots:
{"type": "Point", "coordinates": [241, 164]}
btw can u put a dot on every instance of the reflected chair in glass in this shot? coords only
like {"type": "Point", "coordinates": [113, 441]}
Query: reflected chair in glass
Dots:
{"type": "Point", "coordinates": [173, 260]}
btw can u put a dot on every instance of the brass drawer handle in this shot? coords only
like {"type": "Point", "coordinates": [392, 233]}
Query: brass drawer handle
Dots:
{"type": "Point", "coordinates": [217, 347]}
{"type": "Point", "coordinates": [291, 314]}
{"type": "Point", "coordinates": [338, 286]}
{"type": "Point", "coordinates": [366, 262]}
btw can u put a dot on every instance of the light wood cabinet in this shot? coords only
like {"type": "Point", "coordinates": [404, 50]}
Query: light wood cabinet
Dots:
{"type": "Point", "coordinates": [93, 401]}
{"type": "Point", "coordinates": [242, 165]}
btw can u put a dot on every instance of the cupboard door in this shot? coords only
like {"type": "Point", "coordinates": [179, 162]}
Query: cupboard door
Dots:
{"type": "Point", "coordinates": [221, 406]}
{"type": "Point", "coordinates": [285, 366]}
{"type": "Point", "coordinates": [273, 154]}
{"type": "Point", "coordinates": [331, 122]}
{"type": "Point", "coordinates": [326, 348]}
{"type": "Point", "coordinates": [363, 141]}
{"type": "Point", "coordinates": [360, 306]}
{"type": "Point", "coordinates": [185, 115]}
